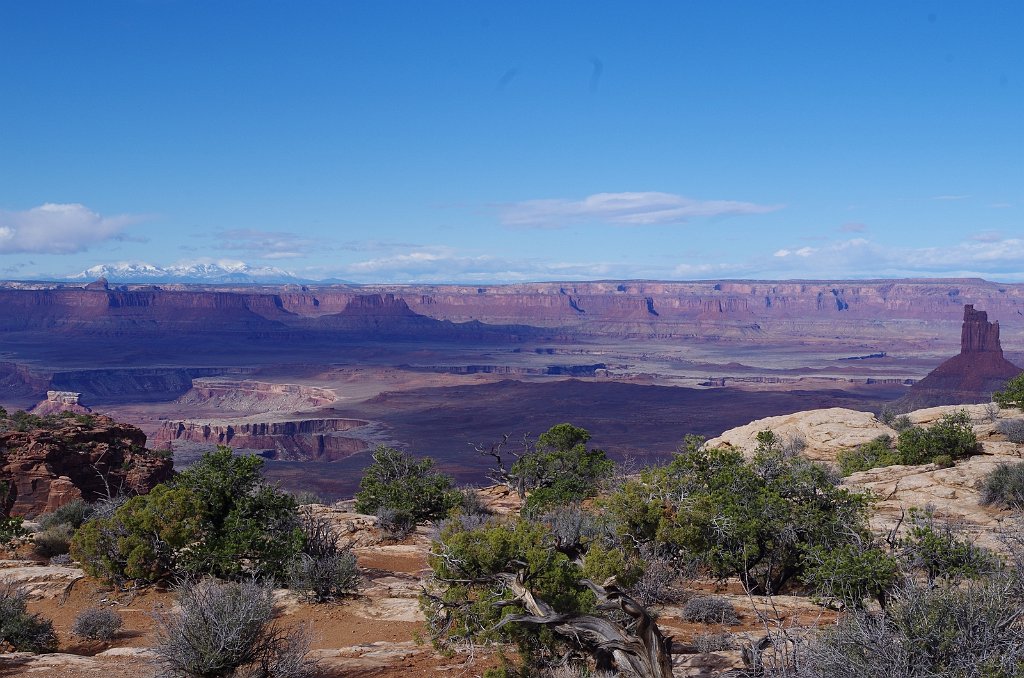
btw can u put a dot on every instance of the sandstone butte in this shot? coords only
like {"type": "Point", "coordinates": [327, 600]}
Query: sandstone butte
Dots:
{"type": "Point", "coordinates": [373, 635]}
{"type": "Point", "coordinates": [969, 377]}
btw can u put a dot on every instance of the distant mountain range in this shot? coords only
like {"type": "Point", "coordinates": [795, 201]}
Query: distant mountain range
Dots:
{"type": "Point", "coordinates": [220, 272]}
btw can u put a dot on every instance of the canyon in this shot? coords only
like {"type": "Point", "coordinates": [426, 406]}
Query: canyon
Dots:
{"type": "Point", "coordinates": [286, 371]}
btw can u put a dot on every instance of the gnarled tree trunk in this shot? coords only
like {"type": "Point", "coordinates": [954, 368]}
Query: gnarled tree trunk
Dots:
{"type": "Point", "coordinates": [642, 650]}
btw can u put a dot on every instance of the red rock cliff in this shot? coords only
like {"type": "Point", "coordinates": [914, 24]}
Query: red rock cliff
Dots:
{"type": "Point", "coordinates": [71, 458]}
{"type": "Point", "coordinates": [978, 335]}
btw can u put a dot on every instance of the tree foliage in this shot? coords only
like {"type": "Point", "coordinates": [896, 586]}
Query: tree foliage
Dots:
{"type": "Point", "coordinates": [560, 469]}
{"type": "Point", "coordinates": [752, 519]}
{"type": "Point", "coordinates": [217, 518]}
{"type": "Point", "coordinates": [1012, 394]}
{"type": "Point", "coordinates": [405, 486]}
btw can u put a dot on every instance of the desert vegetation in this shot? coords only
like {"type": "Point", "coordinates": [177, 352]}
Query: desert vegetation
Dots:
{"type": "Point", "coordinates": [572, 583]}
{"type": "Point", "coordinates": [1012, 394]}
{"type": "Point", "coordinates": [942, 443]}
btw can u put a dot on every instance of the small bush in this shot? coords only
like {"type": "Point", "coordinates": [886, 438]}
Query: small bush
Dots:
{"type": "Point", "coordinates": [73, 514]}
{"type": "Point", "coordinates": [226, 628]}
{"type": "Point", "coordinates": [706, 643]}
{"type": "Point", "coordinates": [97, 623]}
{"type": "Point", "coordinates": [323, 571]}
{"type": "Point", "coordinates": [952, 435]}
{"type": "Point", "coordinates": [943, 461]}
{"type": "Point", "coordinates": [1012, 395]}
{"type": "Point", "coordinates": [1013, 429]}
{"type": "Point", "coordinates": [660, 581]}
{"type": "Point", "coordinates": [394, 523]}
{"type": "Point", "coordinates": [944, 549]}
{"type": "Point", "coordinates": [710, 610]}
{"type": "Point", "coordinates": [61, 559]}
{"type": "Point", "coordinates": [887, 416]}
{"type": "Point", "coordinates": [872, 454]}
{"type": "Point", "coordinates": [325, 577]}
{"type": "Point", "coordinates": [25, 632]}
{"type": "Point", "coordinates": [470, 503]}
{"type": "Point", "coordinates": [901, 423]}
{"type": "Point", "coordinates": [307, 497]}
{"type": "Point", "coordinates": [53, 541]}
{"type": "Point", "coordinates": [1004, 486]}
{"type": "Point", "coordinates": [409, 487]}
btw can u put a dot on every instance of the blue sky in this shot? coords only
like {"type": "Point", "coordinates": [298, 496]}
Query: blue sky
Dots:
{"type": "Point", "coordinates": [492, 141]}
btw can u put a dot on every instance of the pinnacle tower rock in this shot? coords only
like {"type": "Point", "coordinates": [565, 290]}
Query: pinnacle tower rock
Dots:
{"type": "Point", "coordinates": [978, 334]}
{"type": "Point", "coordinates": [970, 377]}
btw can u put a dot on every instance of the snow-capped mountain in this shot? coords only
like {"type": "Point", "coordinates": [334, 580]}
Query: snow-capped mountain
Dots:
{"type": "Point", "coordinates": [212, 272]}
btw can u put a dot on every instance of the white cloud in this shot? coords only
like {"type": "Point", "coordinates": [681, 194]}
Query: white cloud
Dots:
{"type": "Point", "coordinates": [986, 256]}
{"type": "Point", "coordinates": [266, 244]}
{"type": "Point", "coordinates": [629, 209]}
{"type": "Point", "coordinates": [438, 264]}
{"type": "Point", "coordinates": [802, 252]}
{"type": "Point", "coordinates": [950, 197]}
{"type": "Point", "coordinates": [55, 228]}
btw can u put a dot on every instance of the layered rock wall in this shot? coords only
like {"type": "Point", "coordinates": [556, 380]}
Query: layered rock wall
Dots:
{"type": "Point", "coordinates": [883, 311]}
{"type": "Point", "coordinates": [300, 440]}
{"type": "Point", "coordinates": [75, 458]}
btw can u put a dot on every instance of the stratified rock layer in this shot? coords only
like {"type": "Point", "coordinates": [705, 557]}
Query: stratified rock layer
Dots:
{"type": "Point", "coordinates": [75, 458]}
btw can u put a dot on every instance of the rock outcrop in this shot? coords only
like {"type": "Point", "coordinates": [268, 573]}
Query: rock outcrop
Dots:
{"type": "Point", "coordinates": [68, 458]}
{"type": "Point", "coordinates": [61, 401]}
{"type": "Point", "coordinates": [953, 492]}
{"type": "Point", "coordinates": [300, 440]}
{"type": "Point", "coordinates": [821, 433]}
{"type": "Point", "coordinates": [969, 377]}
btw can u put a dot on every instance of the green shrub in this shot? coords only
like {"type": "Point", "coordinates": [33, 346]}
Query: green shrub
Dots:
{"type": "Point", "coordinates": [752, 519]}
{"type": "Point", "coordinates": [852, 573]}
{"type": "Point", "coordinates": [97, 623]}
{"type": "Point", "coordinates": [560, 469]}
{"type": "Point", "coordinates": [470, 596]}
{"type": "Point", "coordinates": [1012, 394]}
{"type": "Point", "coordinates": [11, 530]}
{"type": "Point", "coordinates": [952, 435]}
{"type": "Point", "coordinates": [942, 443]}
{"type": "Point", "coordinates": [942, 549]}
{"type": "Point", "coordinates": [401, 483]}
{"type": "Point", "coordinates": [53, 541]}
{"type": "Point", "coordinates": [143, 538]}
{"type": "Point", "coordinates": [25, 632]}
{"type": "Point", "coordinates": [73, 514]}
{"type": "Point", "coordinates": [1003, 486]}
{"type": "Point", "coordinates": [869, 455]}
{"type": "Point", "coordinates": [217, 518]}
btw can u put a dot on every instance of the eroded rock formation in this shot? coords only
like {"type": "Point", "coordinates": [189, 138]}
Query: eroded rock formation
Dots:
{"type": "Point", "coordinates": [85, 457]}
{"type": "Point", "coordinates": [301, 440]}
{"type": "Point", "coordinates": [972, 375]}
{"type": "Point", "coordinates": [61, 401]}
